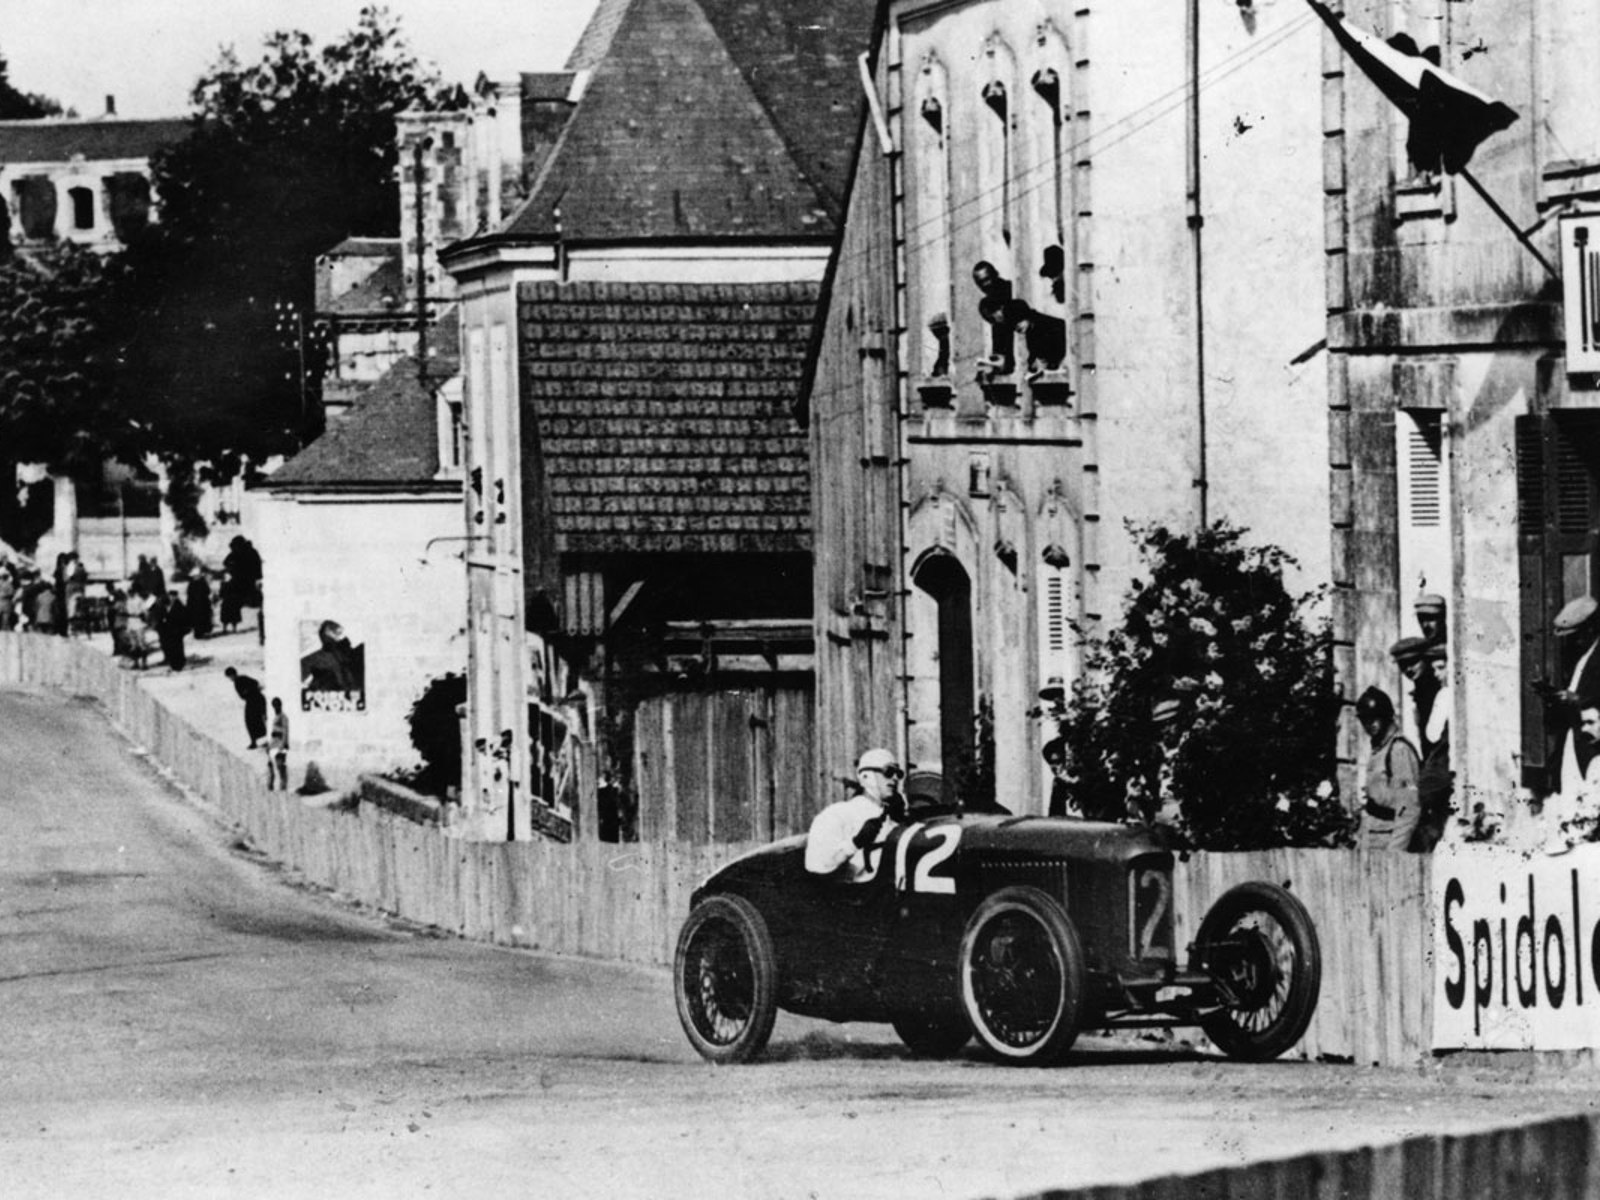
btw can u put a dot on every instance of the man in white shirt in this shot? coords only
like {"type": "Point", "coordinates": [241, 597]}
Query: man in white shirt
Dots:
{"type": "Point", "coordinates": [848, 835]}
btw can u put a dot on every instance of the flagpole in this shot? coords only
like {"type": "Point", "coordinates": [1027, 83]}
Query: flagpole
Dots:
{"type": "Point", "coordinates": [1505, 217]}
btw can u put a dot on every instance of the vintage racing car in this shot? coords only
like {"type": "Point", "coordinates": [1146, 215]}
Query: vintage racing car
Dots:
{"type": "Point", "coordinates": [1019, 930]}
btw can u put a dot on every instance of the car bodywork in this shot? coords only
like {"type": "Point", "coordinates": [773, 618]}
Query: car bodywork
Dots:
{"type": "Point", "coordinates": [962, 912]}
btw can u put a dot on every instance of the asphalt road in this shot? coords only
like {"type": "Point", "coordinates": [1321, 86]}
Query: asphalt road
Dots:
{"type": "Point", "coordinates": [177, 1020]}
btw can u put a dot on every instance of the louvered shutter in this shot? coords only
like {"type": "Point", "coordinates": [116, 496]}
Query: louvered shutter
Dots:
{"type": "Point", "coordinates": [1534, 598]}
{"type": "Point", "coordinates": [1424, 526]}
{"type": "Point", "coordinates": [1557, 507]}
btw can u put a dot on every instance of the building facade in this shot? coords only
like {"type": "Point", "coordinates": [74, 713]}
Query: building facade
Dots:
{"type": "Point", "coordinates": [65, 179]}
{"type": "Point", "coordinates": [637, 496]}
{"type": "Point", "coordinates": [1079, 286]}
{"type": "Point", "coordinates": [1464, 450]}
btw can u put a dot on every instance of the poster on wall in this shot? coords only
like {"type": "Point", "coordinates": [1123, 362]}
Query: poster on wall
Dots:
{"type": "Point", "coordinates": [1516, 949]}
{"type": "Point", "coordinates": [333, 673]}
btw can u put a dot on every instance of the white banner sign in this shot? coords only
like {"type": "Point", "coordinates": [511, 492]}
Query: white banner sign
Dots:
{"type": "Point", "coordinates": [1516, 943]}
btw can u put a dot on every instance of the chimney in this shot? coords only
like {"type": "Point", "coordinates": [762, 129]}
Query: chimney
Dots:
{"type": "Point", "coordinates": [111, 105]}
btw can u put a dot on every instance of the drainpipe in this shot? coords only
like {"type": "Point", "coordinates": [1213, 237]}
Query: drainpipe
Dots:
{"type": "Point", "coordinates": [1196, 222]}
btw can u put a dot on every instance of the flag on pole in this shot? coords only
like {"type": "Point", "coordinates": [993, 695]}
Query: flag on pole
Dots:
{"type": "Point", "coordinates": [1449, 118]}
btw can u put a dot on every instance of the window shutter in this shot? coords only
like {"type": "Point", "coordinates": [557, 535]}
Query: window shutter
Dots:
{"type": "Point", "coordinates": [1532, 435]}
{"type": "Point", "coordinates": [1055, 615]}
{"type": "Point", "coordinates": [1426, 508]}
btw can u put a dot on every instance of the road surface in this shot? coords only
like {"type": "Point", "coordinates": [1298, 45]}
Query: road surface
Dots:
{"type": "Point", "coordinates": [177, 1020]}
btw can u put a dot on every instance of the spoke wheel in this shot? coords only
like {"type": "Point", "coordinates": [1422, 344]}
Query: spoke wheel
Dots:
{"type": "Point", "coordinates": [1022, 976]}
{"type": "Point", "coordinates": [1261, 946]}
{"type": "Point", "coordinates": [725, 977]}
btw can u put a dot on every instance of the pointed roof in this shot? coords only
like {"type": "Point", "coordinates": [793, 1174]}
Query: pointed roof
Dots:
{"type": "Point", "coordinates": [389, 440]}
{"type": "Point", "coordinates": [707, 118]}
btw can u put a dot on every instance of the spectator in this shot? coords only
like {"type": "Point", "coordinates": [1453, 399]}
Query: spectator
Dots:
{"type": "Point", "coordinates": [1430, 610]}
{"type": "Point", "coordinates": [230, 602]}
{"type": "Point", "coordinates": [1410, 655]}
{"type": "Point", "coordinates": [1435, 780]}
{"type": "Point", "coordinates": [75, 583]}
{"type": "Point", "coordinates": [1390, 807]}
{"type": "Point", "coordinates": [1058, 759]}
{"type": "Point", "coordinates": [278, 747]}
{"type": "Point", "coordinates": [255, 704]}
{"type": "Point", "coordinates": [8, 599]}
{"type": "Point", "coordinates": [172, 626]}
{"type": "Point", "coordinates": [847, 837]}
{"type": "Point", "coordinates": [1577, 625]}
{"type": "Point", "coordinates": [197, 600]}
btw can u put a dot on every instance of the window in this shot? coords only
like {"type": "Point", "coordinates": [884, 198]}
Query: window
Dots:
{"type": "Point", "coordinates": [996, 184]}
{"type": "Point", "coordinates": [929, 235]}
{"type": "Point", "coordinates": [1558, 534]}
{"type": "Point", "coordinates": [35, 205]}
{"type": "Point", "coordinates": [82, 200]}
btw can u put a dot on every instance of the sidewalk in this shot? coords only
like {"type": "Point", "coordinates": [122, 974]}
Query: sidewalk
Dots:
{"type": "Point", "coordinates": [203, 697]}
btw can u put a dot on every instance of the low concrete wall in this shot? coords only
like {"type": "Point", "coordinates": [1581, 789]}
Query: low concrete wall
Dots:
{"type": "Point", "coordinates": [627, 901]}
{"type": "Point", "coordinates": [1548, 1160]}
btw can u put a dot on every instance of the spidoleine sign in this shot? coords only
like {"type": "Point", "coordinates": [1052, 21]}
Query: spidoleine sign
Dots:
{"type": "Point", "coordinates": [1516, 942]}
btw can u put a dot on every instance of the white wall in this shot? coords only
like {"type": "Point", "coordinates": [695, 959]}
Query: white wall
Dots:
{"type": "Point", "coordinates": [365, 563]}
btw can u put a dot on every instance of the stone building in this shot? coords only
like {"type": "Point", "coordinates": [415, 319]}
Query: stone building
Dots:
{"type": "Point", "coordinates": [362, 528]}
{"type": "Point", "coordinates": [1465, 451]}
{"type": "Point", "coordinates": [634, 333]}
{"type": "Point", "coordinates": [1079, 285]}
{"type": "Point", "coordinates": [80, 181]}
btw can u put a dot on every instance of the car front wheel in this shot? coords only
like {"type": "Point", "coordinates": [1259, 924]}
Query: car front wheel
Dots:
{"type": "Point", "coordinates": [1260, 946]}
{"type": "Point", "coordinates": [726, 979]}
{"type": "Point", "coordinates": [1021, 968]}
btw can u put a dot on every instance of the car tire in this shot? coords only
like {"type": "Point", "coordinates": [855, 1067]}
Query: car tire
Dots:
{"type": "Point", "coordinates": [1277, 978]}
{"type": "Point", "coordinates": [1022, 976]}
{"type": "Point", "coordinates": [725, 975]}
{"type": "Point", "coordinates": [933, 1037]}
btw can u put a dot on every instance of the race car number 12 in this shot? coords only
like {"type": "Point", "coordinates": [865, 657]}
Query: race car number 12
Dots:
{"type": "Point", "coordinates": [922, 851]}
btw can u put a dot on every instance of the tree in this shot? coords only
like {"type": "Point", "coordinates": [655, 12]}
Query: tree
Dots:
{"type": "Point", "coordinates": [22, 106]}
{"type": "Point", "coordinates": [285, 158]}
{"type": "Point", "coordinates": [435, 727]}
{"type": "Point", "coordinates": [55, 375]}
{"type": "Point", "coordinates": [1249, 757]}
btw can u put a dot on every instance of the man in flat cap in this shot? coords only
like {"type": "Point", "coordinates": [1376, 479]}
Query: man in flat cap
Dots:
{"type": "Point", "coordinates": [1410, 654]}
{"type": "Point", "coordinates": [1422, 663]}
{"type": "Point", "coordinates": [1577, 626]}
{"type": "Point", "coordinates": [1430, 610]}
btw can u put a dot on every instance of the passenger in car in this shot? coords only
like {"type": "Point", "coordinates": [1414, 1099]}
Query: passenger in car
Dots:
{"type": "Point", "coordinates": [847, 836]}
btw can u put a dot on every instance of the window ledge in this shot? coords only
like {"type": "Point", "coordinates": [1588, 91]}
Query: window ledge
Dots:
{"type": "Point", "coordinates": [1051, 388]}
{"type": "Point", "coordinates": [936, 391]}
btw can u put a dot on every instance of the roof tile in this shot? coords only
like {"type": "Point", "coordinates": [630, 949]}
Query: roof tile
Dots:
{"type": "Point", "coordinates": [669, 433]}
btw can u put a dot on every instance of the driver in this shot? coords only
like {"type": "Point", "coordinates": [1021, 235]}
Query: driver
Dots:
{"type": "Point", "coordinates": [845, 834]}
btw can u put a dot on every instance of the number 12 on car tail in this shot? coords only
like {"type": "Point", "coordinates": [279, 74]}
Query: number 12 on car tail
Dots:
{"type": "Point", "coordinates": [925, 857]}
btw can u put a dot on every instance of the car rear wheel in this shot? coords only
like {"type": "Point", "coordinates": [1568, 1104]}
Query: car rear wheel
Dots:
{"type": "Point", "coordinates": [933, 1037]}
{"type": "Point", "coordinates": [726, 978]}
{"type": "Point", "coordinates": [1258, 942]}
{"type": "Point", "coordinates": [1021, 970]}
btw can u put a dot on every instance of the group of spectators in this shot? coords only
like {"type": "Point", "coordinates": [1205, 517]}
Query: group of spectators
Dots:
{"type": "Point", "coordinates": [1406, 793]}
{"type": "Point", "coordinates": [142, 613]}
{"type": "Point", "coordinates": [54, 603]}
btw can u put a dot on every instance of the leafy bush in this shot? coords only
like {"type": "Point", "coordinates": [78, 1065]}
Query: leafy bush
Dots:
{"type": "Point", "coordinates": [436, 734]}
{"type": "Point", "coordinates": [1249, 759]}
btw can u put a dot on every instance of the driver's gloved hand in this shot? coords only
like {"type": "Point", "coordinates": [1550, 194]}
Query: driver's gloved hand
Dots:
{"type": "Point", "coordinates": [867, 835]}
